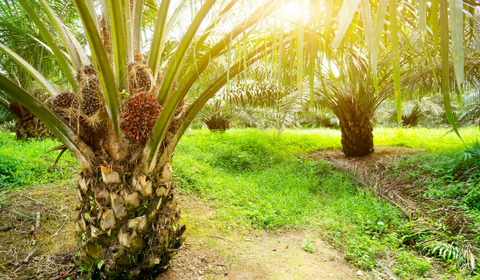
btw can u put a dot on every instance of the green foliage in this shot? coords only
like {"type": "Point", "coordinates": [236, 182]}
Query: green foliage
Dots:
{"type": "Point", "coordinates": [25, 162]}
{"type": "Point", "coordinates": [437, 140]}
{"type": "Point", "coordinates": [308, 246]}
{"type": "Point", "coordinates": [410, 265]}
{"type": "Point", "coordinates": [5, 116]}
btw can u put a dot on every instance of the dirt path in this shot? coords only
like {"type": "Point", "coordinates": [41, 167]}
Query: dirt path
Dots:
{"type": "Point", "coordinates": [210, 250]}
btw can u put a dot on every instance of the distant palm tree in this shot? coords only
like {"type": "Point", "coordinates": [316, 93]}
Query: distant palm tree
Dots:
{"type": "Point", "coordinates": [22, 36]}
{"type": "Point", "coordinates": [352, 97]}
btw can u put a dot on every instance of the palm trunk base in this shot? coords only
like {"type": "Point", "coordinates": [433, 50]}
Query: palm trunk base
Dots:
{"type": "Point", "coordinates": [127, 227]}
{"type": "Point", "coordinates": [357, 138]}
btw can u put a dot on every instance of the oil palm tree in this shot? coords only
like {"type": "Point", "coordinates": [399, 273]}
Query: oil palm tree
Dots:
{"type": "Point", "coordinates": [26, 124]}
{"type": "Point", "coordinates": [21, 35]}
{"type": "Point", "coordinates": [353, 99]}
{"type": "Point", "coordinates": [124, 115]}
{"type": "Point", "coordinates": [413, 111]}
{"type": "Point", "coordinates": [359, 25]}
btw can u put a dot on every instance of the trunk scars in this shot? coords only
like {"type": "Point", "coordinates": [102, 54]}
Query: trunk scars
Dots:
{"type": "Point", "coordinates": [131, 225]}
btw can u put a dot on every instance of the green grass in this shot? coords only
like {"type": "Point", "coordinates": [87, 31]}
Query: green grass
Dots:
{"type": "Point", "coordinates": [438, 140]}
{"type": "Point", "coordinates": [25, 162]}
{"type": "Point", "coordinates": [255, 181]}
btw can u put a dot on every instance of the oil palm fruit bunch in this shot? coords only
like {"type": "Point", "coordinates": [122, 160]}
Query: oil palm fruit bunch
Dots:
{"type": "Point", "coordinates": [140, 76]}
{"type": "Point", "coordinates": [91, 98]}
{"type": "Point", "coordinates": [65, 100]}
{"type": "Point", "coordinates": [141, 112]}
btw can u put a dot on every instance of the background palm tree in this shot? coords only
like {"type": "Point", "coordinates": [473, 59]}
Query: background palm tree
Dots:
{"type": "Point", "coordinates": [413, 111]}
{"type": "Point", "coordinates": [21, 35]}
{"type": "Point", "coordinates": [352, 97]}
{"type": "Point", "coordinates": [125, 113]}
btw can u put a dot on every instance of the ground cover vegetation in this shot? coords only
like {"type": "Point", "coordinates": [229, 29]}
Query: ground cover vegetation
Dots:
{"type": "Point", "coordinates": [257, 178]}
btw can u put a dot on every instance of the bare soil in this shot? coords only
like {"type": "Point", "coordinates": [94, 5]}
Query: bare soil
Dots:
{"type": "Point", "coordinates": [211, 250]}
{"type": "Point", "coordinates": [54, 246]}
{"type": "Point", "coordinates": [381, 153]}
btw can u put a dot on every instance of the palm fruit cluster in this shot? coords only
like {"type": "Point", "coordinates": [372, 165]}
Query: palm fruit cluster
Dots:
{"type": "Point", "coordinates": [140, 80]}
{"type": "Point", "coordinates": [90, 101]}
{"type": "Point", "coordinates": [141, 112]}
{"type": "Point", "coordinates": [65, 100]}
{"type": "Point", "coordinates": [89, 70]}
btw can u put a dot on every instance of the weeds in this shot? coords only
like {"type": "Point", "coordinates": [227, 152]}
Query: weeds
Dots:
{"type": "Point", "coordinates": [308, 246]}
{"type": "Point", "coordinates": [256, 182]}
{"type": "Point", "coordinates": [25, 162]}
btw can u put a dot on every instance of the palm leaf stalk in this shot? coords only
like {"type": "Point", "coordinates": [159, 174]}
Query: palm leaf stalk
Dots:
{"type": "Point", "coordinates": [122, 125]}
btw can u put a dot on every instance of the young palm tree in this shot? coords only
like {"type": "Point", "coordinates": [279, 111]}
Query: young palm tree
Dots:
{"type": "Point", "coordinates": [123, 117]}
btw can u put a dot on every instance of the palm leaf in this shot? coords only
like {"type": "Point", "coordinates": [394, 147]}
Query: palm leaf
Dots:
{"type": "Point", "coordinates": [120, 54]}
{"type": "Point", "coordinates": [346, 15]}
{"type": "Point", "coordinates": [456, 19]}
{"type": "Point", "coordinates": [105, 73]}
{"type": "Point", "coordinates": [444, 49]}
{"type": "Point", "coordinates": [396, 58]}
{"type": "Point", "coordinates": [74, 48]}
{"type": "Point", "coordinates": [61, 58]}
{"type": "Point", "coordinates": [30, 70]}
{"type": "Point", "coordinates": [159, 37]}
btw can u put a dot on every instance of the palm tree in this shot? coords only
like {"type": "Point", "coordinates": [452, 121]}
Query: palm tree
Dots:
{"type": "Point", "coordinates": [365, 79]}
{"type": "Point", "coordinates": [26, 124]}
{"type": "Point", "coordinates": [353, 99]}
{"type": "Point", "coordinates": [254, 99]}
{"type": "Point", "coordinates": [124, 115]}
{"type": "Point", "coordinates": [413, 111]}
{"type": "Point", "coordinates": [21, 35]}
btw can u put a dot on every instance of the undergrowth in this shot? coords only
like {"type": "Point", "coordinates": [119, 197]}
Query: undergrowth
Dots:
{"type": "Point", "coordinates": [26, 163]}
{"type": "Point", "coordinates": [452, 177]}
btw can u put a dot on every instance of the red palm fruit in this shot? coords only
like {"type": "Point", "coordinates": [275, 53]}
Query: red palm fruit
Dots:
{"type": "Point", "coordinates": [140, 113]}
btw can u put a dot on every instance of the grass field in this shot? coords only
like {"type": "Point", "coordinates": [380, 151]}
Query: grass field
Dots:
{"type": "Point", "coordinates": [257, 179]}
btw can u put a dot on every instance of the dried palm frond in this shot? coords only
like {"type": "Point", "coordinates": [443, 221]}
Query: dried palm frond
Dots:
{"type": "Point", "coordinates": [438, 228]}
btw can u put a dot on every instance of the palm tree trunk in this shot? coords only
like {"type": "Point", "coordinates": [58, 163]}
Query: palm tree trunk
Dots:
{"type": "Point", "coordinates": [357, 134]}
{"type": "Point", "coordinates": [127, 226]}
{"type": "Point", "coordinates": [27, 125]}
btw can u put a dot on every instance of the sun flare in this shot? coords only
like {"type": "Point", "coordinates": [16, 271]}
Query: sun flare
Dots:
{"type": "Point", "coordinates": [292, 10]}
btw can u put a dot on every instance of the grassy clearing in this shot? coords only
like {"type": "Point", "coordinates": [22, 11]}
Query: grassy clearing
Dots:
{"type": "Point", "coordinates": [25, 162]}
{"type": "Point", "coordinates": [256, 181]}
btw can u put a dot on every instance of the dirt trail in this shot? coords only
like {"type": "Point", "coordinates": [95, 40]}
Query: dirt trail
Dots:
{"type": "Point", "coordinates": [209, 252]}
